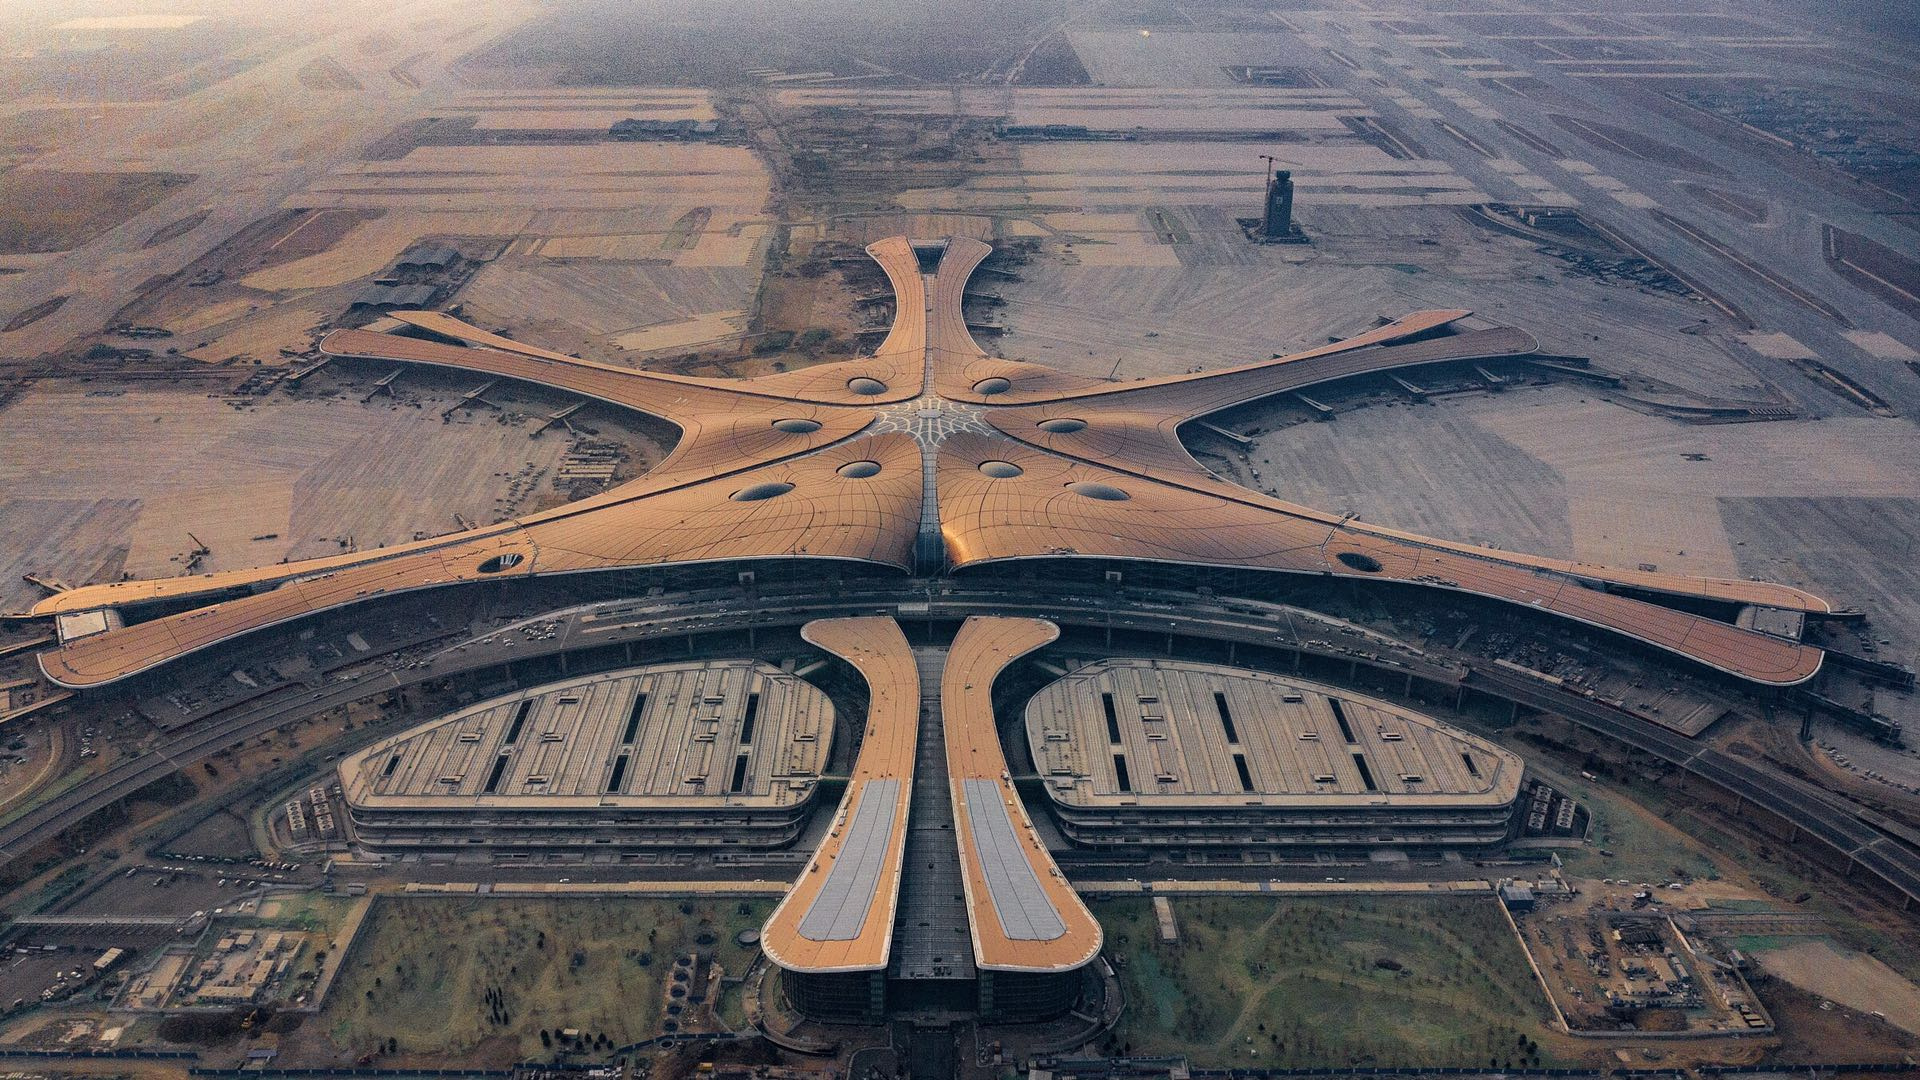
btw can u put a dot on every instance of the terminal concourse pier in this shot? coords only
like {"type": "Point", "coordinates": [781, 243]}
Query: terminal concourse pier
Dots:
{"type": "Point", "coordinates": [832, 936]}
{"type": "Point", "coordinates": [969, 912]}
{"type": "Point", "coordinates": [667, 756]}
{"type": "Point", "coordinates": [1165, 753]}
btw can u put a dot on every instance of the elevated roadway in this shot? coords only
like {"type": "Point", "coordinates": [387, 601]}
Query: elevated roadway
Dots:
{"type": "Point", "coordinates": [1809, 809]}
{"type": "Point", "coordinates": [1845, 828]}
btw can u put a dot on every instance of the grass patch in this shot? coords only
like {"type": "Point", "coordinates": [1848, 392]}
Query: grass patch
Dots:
{"type": "Point", "coordinates": [1284, 982]}
{"type": "Point", "coordinates": [733, 1006]}
{"type": "Point", "coordinates": [1645, 846]}
{"type": "Point", "coordinates": [1729, 904]}
{"type": "Point", "coordinates": [422, 969]}
{"type": "Point", "coordinates": [1755, 943]}
{"type": "Point", "coordinates": [314, 913]}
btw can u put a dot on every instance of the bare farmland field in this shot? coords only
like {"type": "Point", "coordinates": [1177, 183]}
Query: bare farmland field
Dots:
{"type": "Point", "coordinates": [1555, 471]}
{"type": "Point", "coordinates": [283, 478]}
{"type": "Point", "coordinates": [44, 211]}
{"type": "Point", "coordinates": [1117, 293]}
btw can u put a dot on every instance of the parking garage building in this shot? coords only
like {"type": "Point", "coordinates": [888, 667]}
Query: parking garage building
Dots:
{"type": "Point", "coordinates": [1164, 753]}
{"type": "Point", "coordinates": [670, 756]}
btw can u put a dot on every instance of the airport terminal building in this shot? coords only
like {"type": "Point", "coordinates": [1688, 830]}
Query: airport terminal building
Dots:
{"type": "Point", "coordinates": [932, 889]}
{"type": "Point", "coordinates": [925, 464]}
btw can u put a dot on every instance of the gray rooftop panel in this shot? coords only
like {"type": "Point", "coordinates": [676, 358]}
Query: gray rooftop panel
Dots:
{"type": "Point", "coordinates": [841, 908]}
{"type": "Point", "coordinates": [1025, 912]}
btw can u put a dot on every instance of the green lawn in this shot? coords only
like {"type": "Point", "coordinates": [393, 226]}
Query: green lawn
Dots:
{"type": "Point", "coordinates": [1645, 846]}
{"type": "Point", "coordinates": [422, 969]}
{"type": "Point", "coordinates": [1299, 982]}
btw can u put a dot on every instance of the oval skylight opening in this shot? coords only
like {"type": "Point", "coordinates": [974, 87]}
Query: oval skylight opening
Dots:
{"type": "Point", "coordinates": [795, 425]}
{"type": "Point", "coordinates": [1001, 470]}
{"type": "Point", "coordinates": [866, 387]}
{"type": "Point", "coordinates": [1103, 492]}
{"type": "Point", "coordinates": [995, 385]}
{"type": "Point", "coordinates": [1366, 564]}
{"type": "Point", "coordinates": [770, 489]}
{"type": "Point", "coordinates": [1062, 425]}
{"type": "Point", "coordinates": [859, 470]}
{"type": "Point", "coordinates": [502, 562]}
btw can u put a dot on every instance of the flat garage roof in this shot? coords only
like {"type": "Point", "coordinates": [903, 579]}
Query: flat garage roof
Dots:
{"type": "Point", "coordinates": [728, 732]}
{"type": "Point", "coordinates": [1132, 732]}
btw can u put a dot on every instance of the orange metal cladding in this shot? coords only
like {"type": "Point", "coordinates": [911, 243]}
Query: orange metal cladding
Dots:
{"type": "Point", "coordinates": [983, 649]}
{"type": "Point", "coordinates": [728, 428]}
{"type": "Point", "coordinates": [1055, 507]}
{"type": "Point", "coordinates": [710, 448]}
{"type": "Point", "coordinates": [878, 651]}
{"type": "Point", "coordinates": [1143, 443]}
{"type": "Point", "coordinates": [736, 433]}
{"type": "Point", "coordinates": [1133, 428]}
{"type": "Point", "coordinates": [824, 515]}
{"type": "Point", "coordinates": [957, 368]}
{"type": "Point", "coordinates": [825, 383]}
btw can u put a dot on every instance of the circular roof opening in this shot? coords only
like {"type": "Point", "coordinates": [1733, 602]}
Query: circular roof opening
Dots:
{"type": "Point", "coordinates": [1366, 564]}
{"type": "Point", "coordinates": [768, 490]}
{"type": "Point", "coordinates": [859, 470]}
{"type": "Point", "coordinates": [502, 562]}
{"type": "Point", "coordinates": [1103, 492]}
{"type": "Point", "coordinates": [990, 387]}
{"type": "Point", "coordinates": [866, 387]}
{"type": "Point", "coordinates": [794, 425]}
{"type": "Point", "coordinates": [1062, 425]}
{"type": "Point", "coordinates": [1001, 470]}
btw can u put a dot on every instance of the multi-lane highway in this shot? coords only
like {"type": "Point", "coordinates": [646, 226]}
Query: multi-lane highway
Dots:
{"type": "Point", "coordinates": [1818, 813]}
{"type": "Point", "coordinates": [1849, 830]}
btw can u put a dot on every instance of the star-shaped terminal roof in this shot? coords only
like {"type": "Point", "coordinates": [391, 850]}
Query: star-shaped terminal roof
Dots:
{"type": "Point", "coordinates": [929, 446]}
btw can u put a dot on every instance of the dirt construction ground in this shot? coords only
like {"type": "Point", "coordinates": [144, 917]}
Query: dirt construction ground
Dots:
{"type": "Point", "coordinates": [1853, 979]}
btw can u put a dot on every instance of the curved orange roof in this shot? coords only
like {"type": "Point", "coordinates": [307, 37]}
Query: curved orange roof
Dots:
{"type": "Point", "coordinates": [805, 507]}
{"type": "Point", "coordinates": [929, 377]}
{"type": "Point", "coordinates": [839, 914]}
{"type": "Point", "coordinates": [1023, 914]}
{"type": "Point", "coordinates": [1046, 506]}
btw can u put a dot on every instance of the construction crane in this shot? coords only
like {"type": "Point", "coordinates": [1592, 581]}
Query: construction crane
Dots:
{"type": "Point", "coordinates": [197, 554]}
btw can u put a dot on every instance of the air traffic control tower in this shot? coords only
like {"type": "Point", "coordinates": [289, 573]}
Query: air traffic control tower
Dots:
{"type": "Point", "coordinates": [1276, 219]}
{"type": "Point", "coordinates": [931, 889]}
